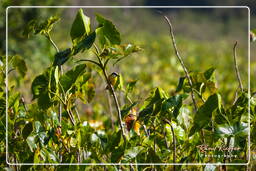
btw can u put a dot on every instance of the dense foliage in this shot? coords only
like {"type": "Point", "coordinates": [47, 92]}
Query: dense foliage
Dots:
{"type": "Point", "coordinates": [181, 126]}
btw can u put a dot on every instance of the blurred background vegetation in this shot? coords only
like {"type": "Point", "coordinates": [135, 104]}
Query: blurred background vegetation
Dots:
{"type": "Point", "coordinates": [205, 38]}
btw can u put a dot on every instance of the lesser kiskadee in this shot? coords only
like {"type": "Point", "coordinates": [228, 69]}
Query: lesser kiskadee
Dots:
{"type": "Point", "coordinates": [112, 78]}
{"type": "Point", "coordinates": [131, 122]}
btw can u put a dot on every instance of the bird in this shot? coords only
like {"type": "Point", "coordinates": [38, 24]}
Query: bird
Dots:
{"type": "Point", "coordinates": [112, 78]}
{"type": "Point", "coordinates": [131, 122]}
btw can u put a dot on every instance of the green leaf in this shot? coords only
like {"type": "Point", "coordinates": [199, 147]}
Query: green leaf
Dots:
{"type": "Point", "coordinates": [19, 64]}
{"type": "Point", "coordinates": [80, 26]}
{"type": "Point", "coordinates": [39, 84]}
{"type": "Point", "coordinates": [132, 153]}
{"type": "Point", "coordinates": [204, 113]}
{"type": "Point", "coordinates": [153, 103]}
{"type": "Point", "coordinates": [209, 74]}
{"type": "Point", "coordinates": [27, 130]}
{"type": "Point", "coordinates": [61, 57]}
{"type": "Point", "coordinates": [84, 44]}
{"type": "Point", "coordinates": [181, 83]}
{"type": "Point", "coordinates": [69, 78]}
{"type": "Point", "coordinates": [40, 88]}
{"type": "Point", "coordinates": [107, 32]}
{"type": "Point", "coordinates": [115, 140]}
{"type": "Point", "coordinates": [236, 129]}
{"type": "Point", "coordinates": [175, 102]}
{"type": "Point", "coordinates": [31, 141]}
{"type": "Point", "coordinates": [117, 154]}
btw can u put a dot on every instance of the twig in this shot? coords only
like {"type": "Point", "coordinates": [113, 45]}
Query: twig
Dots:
{"type": "Point", "coordinates": [174, 142]}
{"type": "Point", "coordinates": [110, 111]}
{"type": "Point", "coordinates": [103, 68]}
{"type": "Point", "coordinates": [181, 62]}
{"type": "Point", "coordinates": [116, 104]}
{"type": "Point", "coordinates": [88, 60]}
{"type": "Point", "coordinates": [48, 36]}
{"type": "Point", "coordinates": [236, 67]}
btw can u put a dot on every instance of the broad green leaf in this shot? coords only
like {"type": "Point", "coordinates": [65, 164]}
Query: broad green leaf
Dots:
{"type": "Point", "coordinates": [31, 141]}
{"type": "Point", "coordinates": [69, 78]}
{"type": "Point", "coordinates": [152, 104]}
{"type": "Point", "coordinates": [204, 113]}
{"type": "Point", "coordinates": [27, 130]}
{"type": "Point", "coordinates": [81, 26]}
{"type": "Point", "coordinates": [84, 44]}
{"type": "Point", "coordinates": [107, 32]}
{"type": "Point", "coordinates": [61, 57]}
{"type": "Point", "coordinates": [237, 129]}
{"type": "Point", "coordinates": [117, 154]}
{"type": "Point", "coordinates": [115, 140]}
{"type": "Point", "coordinates": [39, 85]}
{"type": "Point", "coordinates": [19, 64]}
{"type": "Point", "coordinates": [174, 102]}
{"type": "Point", "coordinates": [132, 153]}
{"type": "Point", "coordinates": [209, 74]}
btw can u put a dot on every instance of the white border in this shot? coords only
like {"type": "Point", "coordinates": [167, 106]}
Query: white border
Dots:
{"type": "Point", "coordinates": [56, 164]}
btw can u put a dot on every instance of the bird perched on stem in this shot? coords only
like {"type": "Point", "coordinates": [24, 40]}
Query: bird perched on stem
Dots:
{"type": "Point", "coordinates": [131, 122]}
{"type": "Point", "coordinates": [112, 78]}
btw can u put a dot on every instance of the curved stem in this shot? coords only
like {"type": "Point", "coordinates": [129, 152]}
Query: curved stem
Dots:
{"type": "Point", "coordinates": [91, 61]}
{"type": "Point", "coordinates": [236, 68]}
{"type": "Point", "coordinates": [181, 62]}
{"type": "Point", "coordinates": [48, 36]}
{"type": "Point", "coordinates": [116, 103]}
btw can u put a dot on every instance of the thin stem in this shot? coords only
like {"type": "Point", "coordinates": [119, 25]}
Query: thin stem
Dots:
{"type": "Point", "coordinates": [48, 36]}
{"type": "Point", "coordinates": [174, 143]}
{"type": "Point", "coordinates": [110, 111]}
{"type": "Point", "coordinates": [100, 64]}
{"type": "Point", "coordinates": [236, 67]}
{"type": "Point", "coordinates": [116, 103]}
{"type": "Point", "coordinates": [181, 62]}
{"type": "Point", "coordinates": [91, 61]}
{"type": "Point", "coordinates": [77, 114]}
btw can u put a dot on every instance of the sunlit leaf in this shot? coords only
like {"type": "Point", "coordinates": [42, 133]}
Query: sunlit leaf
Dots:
{"type": "Point", "coordinates": [107, 32]}
{"type": "Point", "coordinates": [81, 26]}
{"type": "Point", "coordinates": [132, 153]}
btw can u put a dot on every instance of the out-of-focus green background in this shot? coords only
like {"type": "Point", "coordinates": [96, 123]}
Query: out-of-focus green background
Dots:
{"type": "Point", "coordinates": [205, 38]}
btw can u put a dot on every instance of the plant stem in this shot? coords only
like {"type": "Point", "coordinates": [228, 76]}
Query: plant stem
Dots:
{"type": "Point", "coordinates": [174, 143]}
{"type": "Point", "coordinates": [181, 62]}
{"type": "Point", "coordinates": [184, 68]}
{"type": "Point", "coordinates": [110, 111]}
{"type": "Point", "coordinates": [103, 68]}
{"type": "Point", "coordinates": [116, 103]}
{"type": "Point", "coordinates": [48, 36]}
{"type": "Point", "coordinates": [236, 67]}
